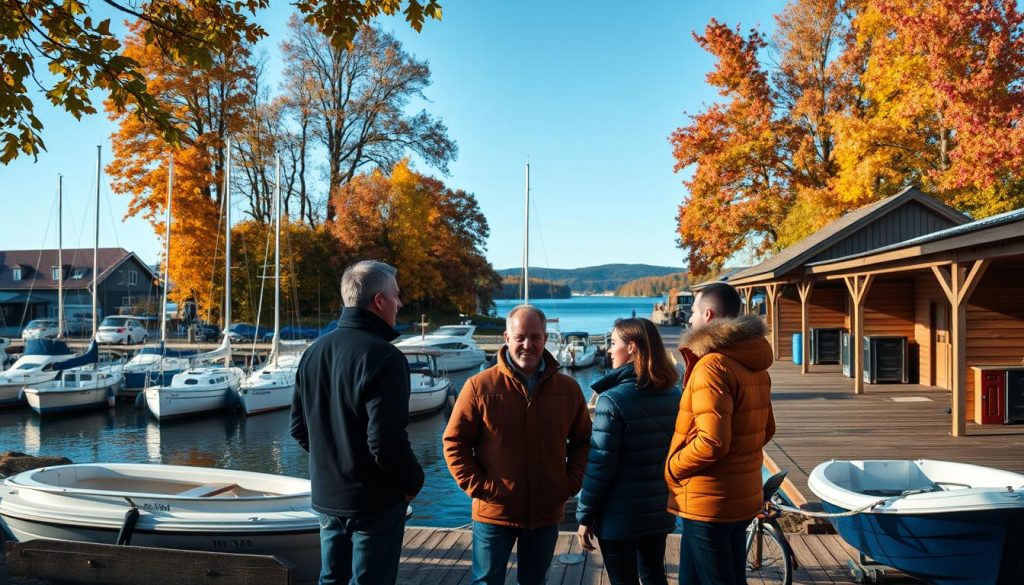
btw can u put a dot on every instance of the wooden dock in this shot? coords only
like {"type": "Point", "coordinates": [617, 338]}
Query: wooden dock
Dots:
{"type": "Point", "coordinates": [435, 556]}
{"type": "Point", "coordinates": [818, 417]}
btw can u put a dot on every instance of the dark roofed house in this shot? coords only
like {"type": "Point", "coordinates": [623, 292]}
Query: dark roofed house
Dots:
{"type": "Point", "coordinates": [29, 284]}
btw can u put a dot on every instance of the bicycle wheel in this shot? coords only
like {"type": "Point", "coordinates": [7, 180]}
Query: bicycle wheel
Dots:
{"type": "Point", "coordinates": [769, 556]}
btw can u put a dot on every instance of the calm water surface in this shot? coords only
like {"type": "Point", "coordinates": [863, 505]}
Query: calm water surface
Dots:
{"type": "Point", "coordinates": [229, 440]}
{"type": "Point", "coordinates": [589, 314]}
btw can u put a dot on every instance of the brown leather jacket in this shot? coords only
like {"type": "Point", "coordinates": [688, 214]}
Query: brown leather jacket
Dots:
{"type": "Point", "coordinates": [519, 459]}
{"type": "Point", "coordinates": [725, 418]}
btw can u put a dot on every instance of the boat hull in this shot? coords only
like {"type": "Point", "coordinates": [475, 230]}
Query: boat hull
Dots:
{"type": "Point", "coordinates": [427, 401]}
{"type": "Point", "coordinates": [61, 401]}
{"type": "Point", "coordinates": [959, 548]}
{"type": "Point", "coordinates": [168, 402]}
{"type": "Point", "coordinates": [144, 379]}
{"type": "Point", "coordinates": [266, 397]}
{"type": "Point", "coordinates": [455, 363]}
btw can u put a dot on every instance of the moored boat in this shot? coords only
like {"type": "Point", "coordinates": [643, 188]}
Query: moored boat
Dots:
{"type": "Point", "coordinates": [429, 389]}
{"type": "Point", "coordinates": [194, 391]}
{"type": "Point", "coordinates": [576, 350]}
{"type": "Point", "coordinates": [35, 366]}
{"type": "Point", "coordinates": [179, 507]}
{"type": "Point", "coordinates": [941, 522]}
{"type": "Point", "coordinates": [456, 349]}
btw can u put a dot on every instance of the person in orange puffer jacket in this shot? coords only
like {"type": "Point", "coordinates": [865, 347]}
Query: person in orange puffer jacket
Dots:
{"type": "Point", "coordinates": [725, 418]}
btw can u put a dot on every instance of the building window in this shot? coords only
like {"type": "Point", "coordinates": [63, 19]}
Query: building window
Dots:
{"type": "Point", "coordinates": [55, 271]}
{"type": "Point", "coordinates": [16, 274]}
{"type": "Point", "coordinates": [131, 277]}
{"type": "Point", "coordinates": [126, 304]}
{"type": "Point", "coordinates": [78, 274]}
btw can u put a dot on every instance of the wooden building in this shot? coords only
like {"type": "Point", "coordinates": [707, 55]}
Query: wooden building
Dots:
{"type": "Point", "coordinates": [906, 266]}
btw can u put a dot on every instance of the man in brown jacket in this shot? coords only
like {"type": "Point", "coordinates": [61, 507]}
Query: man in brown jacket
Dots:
{"type": "Point", "coordinates": [517, 443]}
{"type": "Point", "coordinates": [725, 418]}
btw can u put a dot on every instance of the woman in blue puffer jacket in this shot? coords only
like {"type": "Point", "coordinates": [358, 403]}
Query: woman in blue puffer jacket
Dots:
{"type": "Point", "coordinates": [624, 495]}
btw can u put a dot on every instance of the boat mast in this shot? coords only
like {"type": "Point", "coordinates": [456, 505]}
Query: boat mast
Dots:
{"type": "Point", "coordinates": [277, 259]}
{"type": "Point", "coordinates": [60, 256]}
{"type": "Point", "coordinates": [526, 242]}
{"type": "Point", "coordinates": [227, 248]}
{"type": "Point", "coordinates": [96, 245]}
{"type": "Point", "coordinates": [167, 252]}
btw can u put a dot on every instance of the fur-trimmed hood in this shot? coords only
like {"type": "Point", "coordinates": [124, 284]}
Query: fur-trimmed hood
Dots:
{"type": "Point", "coordinates": [742, 339]}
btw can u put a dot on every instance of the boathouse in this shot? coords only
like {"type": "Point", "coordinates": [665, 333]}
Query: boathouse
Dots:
{"type": "Point", "coordinates": [29, 279]}
{"type": "Point", "coordinates": [908, 267]}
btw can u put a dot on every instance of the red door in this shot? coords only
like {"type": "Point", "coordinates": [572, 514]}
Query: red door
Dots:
{"type": "Point", "coordinates": [993, 396]}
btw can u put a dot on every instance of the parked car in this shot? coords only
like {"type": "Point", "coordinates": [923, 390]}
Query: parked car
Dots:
{"type": "Point", "coordinates": [242, 332]}
{"type": "Point", "coordinates": [294, 333]}
{"type": "Point", "coordinates": [121, 329]}
{"type": "Point", "coordinates": [40, 329]}
{"type": "Point", "coordinates": [205, 331]}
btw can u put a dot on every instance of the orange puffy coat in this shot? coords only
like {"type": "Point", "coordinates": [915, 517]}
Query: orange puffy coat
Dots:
{"type": "Point", "coordinates": [725, 418]}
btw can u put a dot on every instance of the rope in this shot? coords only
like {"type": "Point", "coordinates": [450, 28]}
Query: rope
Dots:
{"type": "Point", "coordinates": [853, 512]}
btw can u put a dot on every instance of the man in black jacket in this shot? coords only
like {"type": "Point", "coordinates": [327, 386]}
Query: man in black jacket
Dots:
{"type": "Point", "coordinates": [350, 412]}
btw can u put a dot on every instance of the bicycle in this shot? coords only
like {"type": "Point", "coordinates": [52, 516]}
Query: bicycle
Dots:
{"type": "Point", "coordinates": [769, 556]}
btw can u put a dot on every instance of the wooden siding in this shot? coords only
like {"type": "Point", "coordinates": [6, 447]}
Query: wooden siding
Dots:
{"type": "Point", "coordinates": [825, 308]}
{"type": "Point", "coordinates": [995, 320]}
{"type": "Point", "coordinates": [926, 292]}
{"type": "Point", "coordinates": [889, 310]}
{"type": "Point", "coordinates": [903, 223]}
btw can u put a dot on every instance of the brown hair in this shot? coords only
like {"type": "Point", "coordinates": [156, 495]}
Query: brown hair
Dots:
{"type": "Point", "coordinates": [651, 363]}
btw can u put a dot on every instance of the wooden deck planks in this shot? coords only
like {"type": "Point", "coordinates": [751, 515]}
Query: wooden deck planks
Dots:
{"type": "Point", "coordinates": [437, 556]}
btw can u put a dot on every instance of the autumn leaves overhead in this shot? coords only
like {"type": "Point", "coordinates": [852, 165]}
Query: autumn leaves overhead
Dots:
{"type": "Point", "coordinates": [846, 103]}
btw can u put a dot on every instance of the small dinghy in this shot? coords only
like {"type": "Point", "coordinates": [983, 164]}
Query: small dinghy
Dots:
{"type": "Point", "coordinates": [167, 506]}
{"type": "Point", "coordinates": [941, 522]}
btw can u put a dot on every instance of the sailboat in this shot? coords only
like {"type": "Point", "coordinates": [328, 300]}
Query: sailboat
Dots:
{"type": "Point", "coordinates": [272, 386]}
{"type": "Point", "coordinates": [81, 384]}
{"type": "Point", "coordinates": [155, 365]}
{"type": "Point", "coordinates": [205, 388]}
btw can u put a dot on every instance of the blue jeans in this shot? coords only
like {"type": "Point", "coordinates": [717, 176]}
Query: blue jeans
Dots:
{"type": "Point", "coordinates": [492, 546]}
{"type": "Point", "coordinates": [713, 553]}
{"type": "Point", "coordinates": [362, 550]}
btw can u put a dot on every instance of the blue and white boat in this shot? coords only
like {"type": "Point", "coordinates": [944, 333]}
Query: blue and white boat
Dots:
{"type": "Point", "coordinates": [35, 366]}
{"type": "Point", "coordinates": [79, 385]}
{"type": "Point", "coordinates": [940, 522]}
{"type": "Point", "coordinates": [155, 365]}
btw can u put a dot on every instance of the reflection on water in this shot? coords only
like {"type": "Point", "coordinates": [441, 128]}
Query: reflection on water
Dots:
{"type": "Point", "coordinates": [229, 440]}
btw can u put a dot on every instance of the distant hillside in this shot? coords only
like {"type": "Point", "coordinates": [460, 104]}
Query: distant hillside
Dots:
{"type": "Point", "coordinates": [511, 288]}
{"type": "Point", "coordinates": [594, 279]}
{"type": "Point", "coordinates": [653, 286]}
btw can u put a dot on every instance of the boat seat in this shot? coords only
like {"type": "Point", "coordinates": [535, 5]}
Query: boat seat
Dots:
{"type": "Point", "coordinates": [207, 490]}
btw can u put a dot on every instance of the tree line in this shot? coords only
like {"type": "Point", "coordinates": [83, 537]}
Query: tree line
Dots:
{"type": "Point", "coordinates": [653, 286]}
{"type": "Point", "coordinates": [848, 102]}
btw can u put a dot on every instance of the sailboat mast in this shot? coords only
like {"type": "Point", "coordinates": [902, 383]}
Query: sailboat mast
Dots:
{"type": "Point", "coordinates": [167, 250]}
{"type": "Point", "coordinates": [526, 242]}
{"type": "Point", "coordinates": [277, 257]}
{"type": "Point", "coordinates": [60, 256]}
{"type": "Point", "coordinates": [227, 242]}
{"type": "Point", "coordinates": [96, 245]}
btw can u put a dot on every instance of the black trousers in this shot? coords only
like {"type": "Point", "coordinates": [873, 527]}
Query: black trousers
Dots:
{"type": "Point", "coordinates": [630, 562]}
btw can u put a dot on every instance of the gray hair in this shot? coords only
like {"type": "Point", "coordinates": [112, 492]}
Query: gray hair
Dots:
{"type": "Point", "coordinates": [528, 310]}
{"type": "Point", "coordinates": [363, 280]}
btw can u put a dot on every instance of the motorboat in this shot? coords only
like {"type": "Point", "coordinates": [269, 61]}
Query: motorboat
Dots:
{"type": "Point", "coordinates": [457, 350]}
{"type": "Point", "coordinates": [154, 365]}
{"type": "Point", "coordinates": [576, 350]}
{"type": "Point", "coordinates": [179, 507]}
{"type": "Point", "coordinates": [429, 389]}
{"type": "Point", "coordinates": [941, 522]}
{"type": "Point", "coordinates": [195, 391]}
{"type": "Point", "coordinates": [35, 366]}
{"type": "Point", "coordinates": [76, 389]}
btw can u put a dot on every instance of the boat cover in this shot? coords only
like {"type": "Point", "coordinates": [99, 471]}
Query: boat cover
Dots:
{"type": "Point", "coordinates": [46, 347]}
{"type": "Point", "coordinates": [162, 350]}
{"type": "Point", "coordinates": [91, 356]}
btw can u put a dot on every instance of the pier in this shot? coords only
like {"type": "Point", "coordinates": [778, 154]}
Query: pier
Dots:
{"type": "Point", "coordinates": [441, 556]}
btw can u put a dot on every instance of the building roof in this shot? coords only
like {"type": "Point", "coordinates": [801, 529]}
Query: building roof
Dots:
{"type": "Point", "coordinates": [842, 228]}
{"type": "Point", "coordinates": [37, 274]}
{"type": "Point", "coordinates": [1001, 219]}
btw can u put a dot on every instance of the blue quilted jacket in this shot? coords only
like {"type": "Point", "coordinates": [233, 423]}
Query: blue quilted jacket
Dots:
{"type": "Point", "coordinates": [624, 494]}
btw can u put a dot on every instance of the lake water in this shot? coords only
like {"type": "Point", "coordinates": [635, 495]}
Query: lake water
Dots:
{"type": "Point", "coordinates": [262, 443]}
{"type": "Point", "coordinates": [589, 314]}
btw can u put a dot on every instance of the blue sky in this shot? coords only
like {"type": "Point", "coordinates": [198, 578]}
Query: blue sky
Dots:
{"type": "Point", "coordinates": [587, 91]}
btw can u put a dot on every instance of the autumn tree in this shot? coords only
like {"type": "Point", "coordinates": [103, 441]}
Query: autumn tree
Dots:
{"type": "Point", "coordinates": [433, 235]}
{"type": "Point", "coordinates": [207, 106]}
{"type": "Point", "coordinates": [354, 99]}
{"type": "Point", "coordinates": [82, 53]}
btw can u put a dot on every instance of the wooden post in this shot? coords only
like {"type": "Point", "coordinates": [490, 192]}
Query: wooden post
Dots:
{"type": "Point", "coordinates": [772, 293]}
{"type": "Point", "coordinates": [958, 283]}
{"type": "Point", "coordinates": [858, 287]}
{"type": "Point", "coordinates": [745, 293]}
{"type": "Point", "coordinates": [804, 289]}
